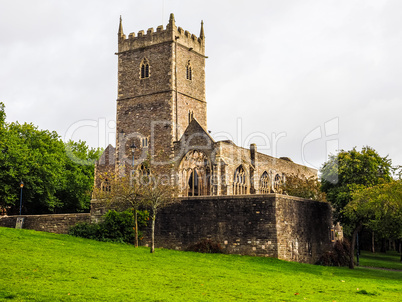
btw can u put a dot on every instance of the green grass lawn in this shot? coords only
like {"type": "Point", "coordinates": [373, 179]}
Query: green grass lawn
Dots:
{"type": "Point", "coordinates": [38, 266]}
{"type": "Point", "coordinates": [390, 260]}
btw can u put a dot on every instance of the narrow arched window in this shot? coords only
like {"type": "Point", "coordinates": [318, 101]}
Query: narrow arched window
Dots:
{"type": "Point", "coordinates": [265, 184]}
{"type": "Point", "coordinates": [278, 184]}
{"type": "Point", "coordinates": [144, 142]}
{"type": "Point", "coordinates": [106, 187]}
{"type": "Point", "coordinates": [144, 171]}
{"type": "Point", "coordinates": [189, 72]}
{"type": "Point", "coordinates": [240, 181]}
{"type": "Point", "coordinates": [144, 69]}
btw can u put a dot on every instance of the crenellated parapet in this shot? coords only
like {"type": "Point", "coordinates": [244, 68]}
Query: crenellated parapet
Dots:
{"type": "Point", "coordinates": [151, 37]}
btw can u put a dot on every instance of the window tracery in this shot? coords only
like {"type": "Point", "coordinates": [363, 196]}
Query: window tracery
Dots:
{"type": "Point", "coordinates": [240, 181]}
{"type": "Point", "coordinates": [195, 174]}
{"type": "Point", "coordinates": [265, 183]}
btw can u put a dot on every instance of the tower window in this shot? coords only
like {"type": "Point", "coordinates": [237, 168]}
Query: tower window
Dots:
{"type": "Point", "coordinates": [144, 142]}
{"type": "Point", "coordinates": [189, 72]}
{"type": "Point", "coordinates": [190, 116]}
{"type": "Point", "coordinates": [144, 69]}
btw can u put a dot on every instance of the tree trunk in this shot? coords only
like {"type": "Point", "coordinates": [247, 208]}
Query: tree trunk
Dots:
{"type": "Point", "coordinates": [352, 246]}
{"type": "Point", "coordinates": [372, 242]}
{"type": "Point", "coordinates": [136, 227]}
{"type": "Point", "coordinates": [153, 233]}
{"type": "Point", "coordinates": [383, 245]}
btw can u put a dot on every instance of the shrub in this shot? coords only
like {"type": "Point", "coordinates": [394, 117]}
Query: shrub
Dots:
{"type": "Point", "coordinates": [85, 230]}
{"type": "Point", "coordinates": [206, 246]}
{"type": "Point", "coordinates": [116, 226]}
{"type": "Point", "coordinates": [338, 256]}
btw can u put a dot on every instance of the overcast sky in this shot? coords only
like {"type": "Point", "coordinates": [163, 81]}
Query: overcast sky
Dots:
{"type": "Point", "coordinates": [299, 78]}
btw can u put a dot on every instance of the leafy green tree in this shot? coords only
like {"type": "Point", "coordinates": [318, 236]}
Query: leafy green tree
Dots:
{"type": "Point", "coordinates": [33, 157]}
{"type": "Point", "coordinates": [300, 186]}
{"type": "Point", "coordinates": [78, 176]}
{"type": "Point", "coordinates": [54, 180]}
{"type": "Point", "coordinates": [379, 208]}
{"type": "Point", "coordinates": [348, 170]}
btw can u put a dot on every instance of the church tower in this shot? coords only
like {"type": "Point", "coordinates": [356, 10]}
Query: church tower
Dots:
{"type": "Point", "coordinates": [161, 88]}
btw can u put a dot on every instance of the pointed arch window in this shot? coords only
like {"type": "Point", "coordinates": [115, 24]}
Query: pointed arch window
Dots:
{"type": "Point", "coordinates": [278, 184]}
{"type": "Point", "coordinates": [144, 69]}
{"type": "Point", "coordinates": [144, 142]}
{"type": "Point", "coordinates": [190, 116]}
{"type": "Point", "coordinates": [144, 171]}
{"type": "Point", "coordinates": [189, 71]}
{"type": "Point", "coordinates": [265, 183]}
{"type": "Point", "coordinates": [106, 187]}
{"type": "Point", "coordinates": [195, 174]}
{"type": "Point", "coordinates": [240, 181]}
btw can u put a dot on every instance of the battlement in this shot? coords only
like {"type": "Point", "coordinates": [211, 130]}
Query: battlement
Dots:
{"type": "Point", "coordinates": [172, 33]}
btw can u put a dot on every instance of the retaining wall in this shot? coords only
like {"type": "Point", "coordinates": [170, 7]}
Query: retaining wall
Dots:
{"type": "Point", "coordinates": [52, 223]}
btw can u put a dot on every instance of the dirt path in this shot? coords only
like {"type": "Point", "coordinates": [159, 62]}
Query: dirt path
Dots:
{"type": "Point", "coordinates": [382, 268]}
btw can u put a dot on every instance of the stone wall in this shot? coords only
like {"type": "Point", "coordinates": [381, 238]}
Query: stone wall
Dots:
{"type": "Point", "coordinates": [271, 225]}
{"type": "Point", "coordinates": [52, 223]}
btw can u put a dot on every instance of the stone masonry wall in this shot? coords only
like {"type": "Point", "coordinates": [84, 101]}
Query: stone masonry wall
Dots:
{"type": "Point", "coordinates": [52, 223]}
{"type": "Point", "coordinates": [269, 225]}
{"type": "Point", "coordinates": [303, 228]}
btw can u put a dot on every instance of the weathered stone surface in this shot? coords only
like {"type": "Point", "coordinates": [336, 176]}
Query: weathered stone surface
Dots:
{"type": "Point", "coordinates": [52, 223]}
{"type": "Point", "coordinates": [271, 225]}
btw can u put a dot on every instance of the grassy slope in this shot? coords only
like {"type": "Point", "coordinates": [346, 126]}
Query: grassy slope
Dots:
{"type": "Point", "coordinates": [389, 260]}
{"type": "Point", "coordinates": [39, 266]}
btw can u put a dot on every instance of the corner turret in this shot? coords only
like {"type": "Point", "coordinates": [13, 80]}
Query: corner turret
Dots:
{"type": "Point", "coordinates": [172, 22]}
{"type": "Point", "coordinates": [202, 36]}
{"type": "Point", "coordinates": [121, 34]}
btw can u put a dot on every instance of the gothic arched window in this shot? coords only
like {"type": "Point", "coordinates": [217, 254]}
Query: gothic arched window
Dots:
{"type": "Point", "coordinates": [189, 72]}
{"type": "Point", "coordinates": [265, 183]}
{"type": "Point", "coordinates": [144, 142]}
{"type": "Point", "coordinates": [195, 174]}
{"type": "Point", "coordinates": [144, 69]}
{"type": "Point", "coordinates": [240, 181]}
{"type": "Point", "coordinates": [144, 171]}
{"type": "Point", "coordinates": [278, 183]}
{"type": "Point", "coordinates": [106, 187]}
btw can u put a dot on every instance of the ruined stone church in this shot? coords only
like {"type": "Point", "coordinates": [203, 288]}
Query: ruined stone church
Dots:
{"type": "Point", "coordinates": [162, 113]}
{"type": "Point", "coordinates": [230, 194]}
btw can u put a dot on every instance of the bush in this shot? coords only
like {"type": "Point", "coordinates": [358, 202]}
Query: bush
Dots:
{"type": "Point", "coordinates": [116, 227]}
{"type": "Point", "coordinates": [206, 246]}
{"type": "Point", "coordinates": [338, 256]}
{"type": "Point", "coordinates": [85, 230]}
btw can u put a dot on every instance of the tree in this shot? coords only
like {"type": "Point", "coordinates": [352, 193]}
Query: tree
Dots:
{"type": "Point", "coordinates": [78, 176]}
{"type": "Point", "coordinates": [159, 192]}
{"type": "Point", "coordinates": [54, 181]}
{"type": "Point", "coordinates": [379, 208]}
{"type": "Point", "coordinates": [300, 186]}
{"type": "Point", "coordinates": [121, 193]}
{"type": "Point", "coordinates": [348, 170]}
